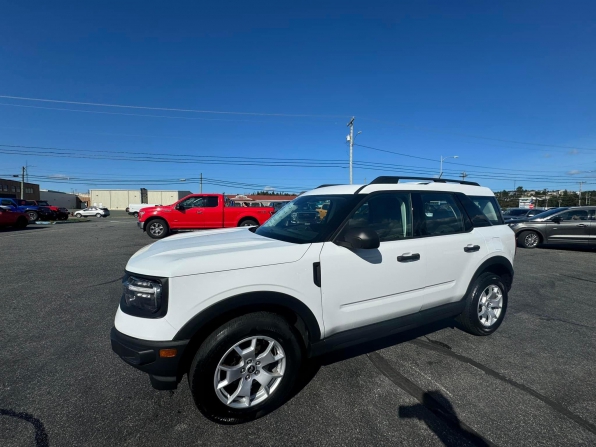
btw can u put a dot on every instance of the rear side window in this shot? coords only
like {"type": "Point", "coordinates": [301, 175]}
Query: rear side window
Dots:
{"type": "Point", "coordinates": [441, 215]}
{"type": "Point", "coordinates": [489, 207]}
{"type": "Point", "coordinates": [574, 215]}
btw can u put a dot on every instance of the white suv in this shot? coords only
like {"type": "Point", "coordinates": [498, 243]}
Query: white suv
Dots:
{"type": "Point", "coordinates": [239, 309]}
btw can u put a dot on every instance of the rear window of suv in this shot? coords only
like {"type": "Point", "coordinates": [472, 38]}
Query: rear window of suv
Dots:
{"type": "Point", "coordinates": [489, 207]}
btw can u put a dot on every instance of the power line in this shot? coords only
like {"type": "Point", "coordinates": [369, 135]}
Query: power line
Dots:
{"type": "Point", "coordinates": [449, 162]}
{"type": "Point", "coordinates": [171, 109]}
{"type": "Point", "coordinates": [502, 140]}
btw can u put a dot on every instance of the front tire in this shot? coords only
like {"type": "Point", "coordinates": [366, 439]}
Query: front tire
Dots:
{"type": "Point", "coordinates": [79, 215]}
{"type": "Point", "coordinates": [32, 216]}
{"type": "Point", "coordinates": [528, 239]}
{"type": "Point", "coordinates": [245, 369]}
{"type": "Point", "coordinates": [486, 305]}
{"type": "Point", "coordinates": [158, 229]}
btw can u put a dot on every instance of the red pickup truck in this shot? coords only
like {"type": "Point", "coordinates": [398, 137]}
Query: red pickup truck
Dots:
{"type": "Point", "coordinates": [199, 211]}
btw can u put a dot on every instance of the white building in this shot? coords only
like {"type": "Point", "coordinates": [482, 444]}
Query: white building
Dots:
{"type": "Point", "coordinates": [119, 199]}
{"type": "Point", "coordinates": [59, 199]}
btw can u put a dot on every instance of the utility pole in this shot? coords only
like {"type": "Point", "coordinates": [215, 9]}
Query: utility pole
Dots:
{"type": "Point", "coordinates": [23, 182]}
{"type": "Point", "coordinates": [580, 192]}
{"type": "Point", "coordinates": [464, 175]}
{"type": "Point", "coordinates": [201, 184]}
{"type": "Point", "coordinates": [351, 139]}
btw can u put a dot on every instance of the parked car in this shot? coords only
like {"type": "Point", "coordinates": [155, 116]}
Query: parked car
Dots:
{"type": "Point", "coordinates": [61, 213]}
{"type": "Point", "coordinates": [134, 209]}
{"type": "Point", "coordinates": [32, 211]}
{"type": "Point", "coordinates": [10, 218]}
{"type": "Point", "coordinates": [93, 211]}
{"type": "Point", "coordinates": [519, 214]}
{"type": "Point", "coordinates": [198, 211]}
{"type": "Point", "coordinates": [239, 310]}
{"type": "Point", "coordinates": [569, 225]}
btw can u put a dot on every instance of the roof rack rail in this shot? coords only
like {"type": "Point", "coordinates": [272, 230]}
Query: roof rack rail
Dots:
{"type": "Point", "coordinates": [385, 179]}
{"type": "Point", "coordinates": [327, 184]}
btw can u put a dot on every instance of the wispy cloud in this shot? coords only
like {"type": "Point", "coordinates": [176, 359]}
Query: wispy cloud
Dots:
{"type": "Point", "coordinates": [268, 188]}
{"type": "Point", "coordinates": [546, 155]}
{"type": "Point", "coordinates": [574, 172]}
{"type": "Point", "coordinates": [573, 152]}
{"type": "Point", "coordinates": [59, 176]}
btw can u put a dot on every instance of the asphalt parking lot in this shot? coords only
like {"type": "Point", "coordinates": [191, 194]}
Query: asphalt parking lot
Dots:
{"type": "Point", "coordinates": [531, 383]}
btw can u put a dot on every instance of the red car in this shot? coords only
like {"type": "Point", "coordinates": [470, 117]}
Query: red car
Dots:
{"type": "Point", "coordinates": [16, 219]}
{"type": "Point", "coordinates": [198, 211]}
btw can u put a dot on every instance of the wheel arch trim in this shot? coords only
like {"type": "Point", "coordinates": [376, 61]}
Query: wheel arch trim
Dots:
{"type": "Point", "coordinates": [250, 301]}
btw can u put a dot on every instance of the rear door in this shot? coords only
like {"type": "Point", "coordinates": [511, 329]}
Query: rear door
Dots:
{"type": "Point", "coordinates": [574, 226]}
{"type": "Point", "coordinates": [210, 212]}
{"type": "Point", "coordinates": [455, 248]}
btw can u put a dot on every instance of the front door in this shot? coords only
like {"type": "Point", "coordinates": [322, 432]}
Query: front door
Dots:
{"type": "Point", "coordinates": [573, 226]}
{"type": "Point", "coordinates": [361, 287]}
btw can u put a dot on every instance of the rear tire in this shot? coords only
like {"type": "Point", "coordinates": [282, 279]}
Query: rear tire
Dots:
{"type": "Point", "coordinates": [248, 223]}
{"type": "Point", "coordinates": [32, 216]}
{"type": "Point", "coordinates": [486, 305]}
{"type": "Point", "coordinates": [157, 229]}
{"type": "Point", "coordinates": [266, 371]}
{"type": "Point", "coordinates": [79, 215]}
{"type": "Point", "coordinates": [98, 215]}
{"type": "Point", "coordinates": [135, 214]}
{"type": "Point", "coordinates": [528, 239]}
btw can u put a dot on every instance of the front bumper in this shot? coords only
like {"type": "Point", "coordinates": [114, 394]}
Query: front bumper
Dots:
{"type": "Point", "coordinates": [141, 225]}
{"type": "Point", "coordinates": [144, 355]}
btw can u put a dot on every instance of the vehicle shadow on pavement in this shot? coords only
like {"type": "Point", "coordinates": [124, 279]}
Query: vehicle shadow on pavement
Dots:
{"type": "Point", "coordinates": [385, 342]}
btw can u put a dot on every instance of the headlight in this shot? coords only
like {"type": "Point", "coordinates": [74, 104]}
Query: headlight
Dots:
{"type": "Point", "coordinates": [142, 294]}
{"type": "Point", "coordinates": [141, 213]}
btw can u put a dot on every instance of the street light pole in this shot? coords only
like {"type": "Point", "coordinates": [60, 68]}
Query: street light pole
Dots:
{"type": "Point", "coordinates": [443, 159]}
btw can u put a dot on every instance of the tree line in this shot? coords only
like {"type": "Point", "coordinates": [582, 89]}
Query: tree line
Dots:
{"type": "Point", "coordinates": [545, 198]}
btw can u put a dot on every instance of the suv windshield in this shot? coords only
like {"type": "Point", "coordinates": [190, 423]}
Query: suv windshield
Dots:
{"type": "Point", "coordinates": [309, 219]}
{"type": "Point", "coordinates": [42, 203]}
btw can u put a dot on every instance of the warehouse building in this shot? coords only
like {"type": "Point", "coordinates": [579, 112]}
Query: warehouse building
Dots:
{"type": "Point", "coordinates": [119, 199]}
{"type": "Point", "coordinates": [60, 199]}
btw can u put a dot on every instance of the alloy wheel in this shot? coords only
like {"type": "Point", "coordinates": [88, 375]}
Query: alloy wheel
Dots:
{"type": "Point", "coordinates": [531, 240]}
{"type": "Point", "coordinates": [249, 372]}
{"type": "Point", "coordinates": [490, 305]}
{"type": "Point", "coordinates": [156, 228]}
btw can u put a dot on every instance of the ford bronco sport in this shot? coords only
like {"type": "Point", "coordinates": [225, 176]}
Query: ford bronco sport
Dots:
{"type": "Point", "coordinates": [238, 310]}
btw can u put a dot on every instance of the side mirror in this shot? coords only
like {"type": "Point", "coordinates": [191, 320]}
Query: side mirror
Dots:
{"type": "Point", "coordinates": [179, 206]}
{"type": "Point", "coordinates": [363, 238]}
{"type": "Point", "coordinates": [556, 219]}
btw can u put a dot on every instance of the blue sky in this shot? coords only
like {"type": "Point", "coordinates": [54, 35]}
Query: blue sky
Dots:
{"type": "Point", "coordinates": [424, 79]}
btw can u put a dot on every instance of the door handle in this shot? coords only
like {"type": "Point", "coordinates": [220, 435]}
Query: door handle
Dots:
{"type": "Point", "coordinates": [580, 225]}
{"type": "Point", "coordinates": [199, 212]}
{"type": "Point", "coordinates": [470, 248]}
{"type": "Point", "coordinates": [409, 257]}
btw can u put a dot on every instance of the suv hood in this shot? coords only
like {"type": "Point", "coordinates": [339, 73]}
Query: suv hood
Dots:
{"type": "Point", "coordinates": [212, 251]}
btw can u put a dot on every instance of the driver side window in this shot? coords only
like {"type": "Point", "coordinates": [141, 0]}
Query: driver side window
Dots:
{"type": "Point", "coordinates": [389, 215]}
